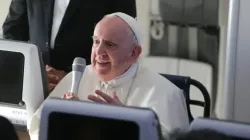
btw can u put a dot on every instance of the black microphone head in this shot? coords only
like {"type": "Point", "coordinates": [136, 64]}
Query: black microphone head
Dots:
{"type": "Point", "coordinates": [79, 64]}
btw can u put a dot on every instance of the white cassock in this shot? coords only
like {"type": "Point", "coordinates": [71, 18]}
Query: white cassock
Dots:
{"type": "Point", "coordinates": [138, 87]}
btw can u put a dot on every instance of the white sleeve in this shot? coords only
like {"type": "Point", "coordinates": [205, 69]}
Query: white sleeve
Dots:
{"type": "Point", "coordinates": [172, 112]}
{"type": "Point", "coordinates": [62, 87]}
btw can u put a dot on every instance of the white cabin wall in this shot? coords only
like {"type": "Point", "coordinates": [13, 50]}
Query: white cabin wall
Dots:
{"type": "Point", "coordinates": [4, 8]}
{"type": "Point", "coordinates": [143, 18]}
{"type": "Point", "coordinates": [223, 22]}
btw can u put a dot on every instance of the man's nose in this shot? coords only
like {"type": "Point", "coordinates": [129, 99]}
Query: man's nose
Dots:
{"type": "Point", "coordinates": [100, 50]}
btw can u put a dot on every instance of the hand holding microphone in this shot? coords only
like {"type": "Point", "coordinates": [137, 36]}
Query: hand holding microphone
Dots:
{"type": "Point", "coordinates": [78, 68]}
{"type": "Point", "coordinates": [54, 76]}
{"type": "Point", "coordinates": [70, 96]}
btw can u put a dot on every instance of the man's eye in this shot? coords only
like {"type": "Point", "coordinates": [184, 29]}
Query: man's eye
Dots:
{"type": "Point", "coordinates": [111, 46]}
{"type": "Point", "coordinates": [96, 41]}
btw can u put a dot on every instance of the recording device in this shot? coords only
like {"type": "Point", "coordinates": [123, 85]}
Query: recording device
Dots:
{"type": "Point", "coordinates": [237, 131]}
{"type": "Point", "coordinates": [78, 68]}
{"type": "Point", "coordinates": [23, 85]}
{"type": "Point", "coordinates": [81, 120]}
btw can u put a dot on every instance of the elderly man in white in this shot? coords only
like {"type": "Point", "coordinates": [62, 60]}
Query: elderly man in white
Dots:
{"type": "Point", "coordinates": [116, 76]}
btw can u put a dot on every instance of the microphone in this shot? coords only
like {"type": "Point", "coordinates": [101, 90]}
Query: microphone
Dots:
{"type": "Point", "coordinates": [78, 68]}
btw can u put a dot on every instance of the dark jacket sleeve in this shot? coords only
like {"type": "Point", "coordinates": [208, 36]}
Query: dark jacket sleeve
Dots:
{"type": "Point", "coordinates": [125, 6]}
{"type": "Point", "coordinates": [16, 26]}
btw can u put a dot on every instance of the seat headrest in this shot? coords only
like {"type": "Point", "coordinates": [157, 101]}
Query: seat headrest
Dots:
{"type": "Point", "coordinates": [233, 129]}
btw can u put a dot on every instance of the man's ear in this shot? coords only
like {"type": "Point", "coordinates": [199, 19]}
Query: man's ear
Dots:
{"type": "Point", "coordinates": [136, 52]}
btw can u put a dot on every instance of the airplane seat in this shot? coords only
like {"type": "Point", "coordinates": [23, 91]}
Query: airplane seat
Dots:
{"type": "Point", "coordinates": [23, 83]}
{"type": "Point", "coordinates": [236, 130]}
{"type": "Point", "coordinates": [199, 71]}
{"type": "Point", "coordinates": [184, 83]}
{"type": "Point", "coordinates": [166, 65]}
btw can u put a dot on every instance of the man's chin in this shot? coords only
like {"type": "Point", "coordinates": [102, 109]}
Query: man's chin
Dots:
{"type": "Point", "coordinates": [101, 71]}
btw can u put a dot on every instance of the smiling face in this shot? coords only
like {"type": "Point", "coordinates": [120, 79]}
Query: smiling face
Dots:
{"type": "Point", "coordinates": [114, 49]}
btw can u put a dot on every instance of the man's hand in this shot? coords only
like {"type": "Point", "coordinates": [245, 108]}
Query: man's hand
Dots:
{"type": "Point", "coordinates": [54, 76]}
{"type": "Point", "coordinates": [70, 96]}
{"type": "Point", "coordinates": [104, 98]}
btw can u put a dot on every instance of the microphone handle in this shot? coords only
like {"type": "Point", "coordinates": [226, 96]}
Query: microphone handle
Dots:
{"type": "Point", "coordinates": [76, 78]}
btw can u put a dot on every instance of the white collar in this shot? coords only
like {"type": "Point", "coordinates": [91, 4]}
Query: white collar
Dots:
{"type": "Point", "coordinates": [128, 75]}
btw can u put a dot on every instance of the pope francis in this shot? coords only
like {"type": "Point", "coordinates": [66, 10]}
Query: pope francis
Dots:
{"type": "Point", "coordinates": [115, 76]}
